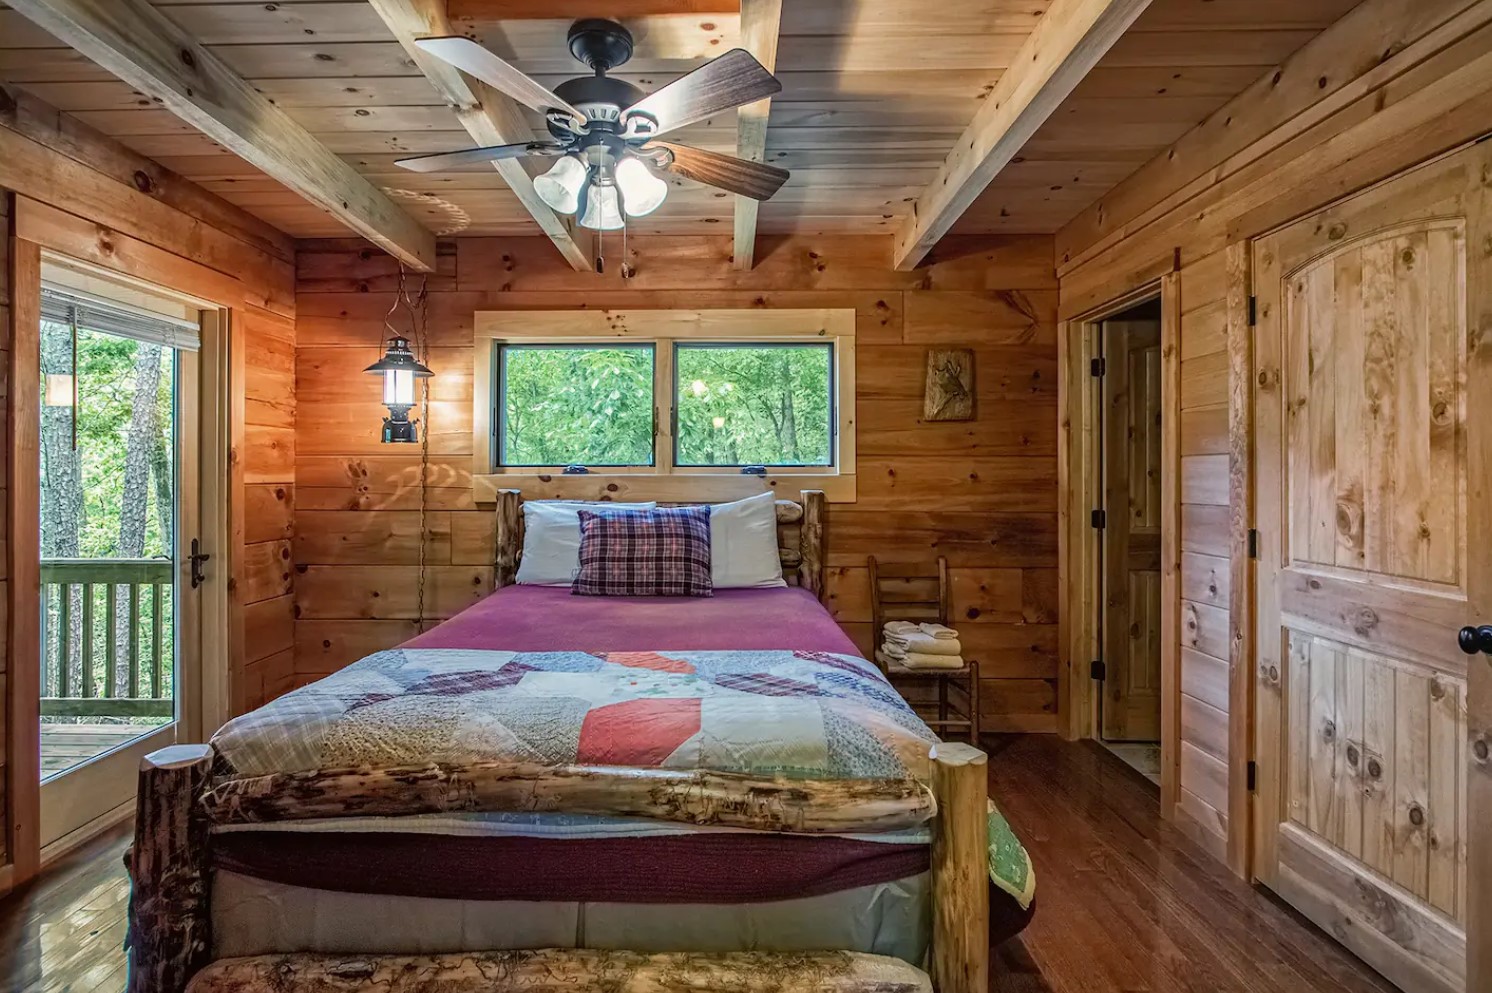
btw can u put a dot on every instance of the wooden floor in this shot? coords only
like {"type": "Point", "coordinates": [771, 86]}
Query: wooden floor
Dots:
{"type": "Point", "coordinates": [1125, 903]}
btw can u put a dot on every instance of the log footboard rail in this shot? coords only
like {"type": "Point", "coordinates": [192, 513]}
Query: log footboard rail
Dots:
{"type": "Point", "coordinates": [170, 918]}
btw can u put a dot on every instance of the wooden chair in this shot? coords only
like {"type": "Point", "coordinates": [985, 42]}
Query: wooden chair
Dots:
{"type": "Point", "coordinates": [918, 594]}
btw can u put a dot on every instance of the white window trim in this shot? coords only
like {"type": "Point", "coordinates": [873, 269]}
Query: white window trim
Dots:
{"type": "Point", "coordinates": [662, 328]}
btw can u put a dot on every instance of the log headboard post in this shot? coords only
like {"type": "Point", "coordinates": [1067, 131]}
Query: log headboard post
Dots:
{"type": "Point", "coordinates": [509, 536]}
{"type": "Point", "coordinates": [811, 542]}
{"type": "Point", "coordinates": [170, 925]}
{"type": "Point", "coordinates": [960, 869]}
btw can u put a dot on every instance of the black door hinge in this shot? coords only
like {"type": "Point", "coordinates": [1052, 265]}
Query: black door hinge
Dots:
{"type": "Point", "coordinates": [1253, 543]}
{"type": "Point", "coordinates": [1253, 776]}
{"type": "Point", "coordinates": [1097, 670]}
{"type": "Point", "coordinates": [1253, 310]}
{"type": "Point", "coordinates": [1097, 367]}
{"type": "Point", "coordinates": [1100, 520]}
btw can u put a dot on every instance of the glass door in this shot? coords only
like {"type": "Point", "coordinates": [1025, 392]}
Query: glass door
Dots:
{"type": "Point", "coordinates": [117, 459]}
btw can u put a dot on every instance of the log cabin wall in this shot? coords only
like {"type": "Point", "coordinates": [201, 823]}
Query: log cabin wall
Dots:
{"type": "Point", "coordinates": [982, 492]}
{"type": "Point", "coordinates": [6, 831]}
{"type": "Point", "coordinates": [1390, 85]}
{"type": "Point", "coordinates": [58, 161]}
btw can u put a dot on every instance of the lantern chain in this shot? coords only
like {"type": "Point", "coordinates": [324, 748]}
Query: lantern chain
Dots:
{"type": "Point", "coordinates": [417, 306]}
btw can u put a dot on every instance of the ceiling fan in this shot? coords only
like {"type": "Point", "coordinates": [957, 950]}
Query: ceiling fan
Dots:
{"type": "Point", "coordinates": [605, 132]}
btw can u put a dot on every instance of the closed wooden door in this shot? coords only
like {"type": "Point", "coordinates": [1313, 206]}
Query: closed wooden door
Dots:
{"type": "Point", "coordinates": [1131, 535]}
{"type": "Point", "coordinates": [1372, 468]}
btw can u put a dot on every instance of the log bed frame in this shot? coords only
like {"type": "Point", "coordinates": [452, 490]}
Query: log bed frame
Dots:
{"type": "Point", "coordinates": [170, 916]}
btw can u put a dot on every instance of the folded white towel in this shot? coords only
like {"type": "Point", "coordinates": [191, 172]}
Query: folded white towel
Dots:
{"type": "Point", "coordinates": [926, 644]}
{"type": "Point", "coordinates": [894, 650]}
{"type": "Point", "coordinates": [917, 660]}
{"type": "Point", "coordinates": [886, 661]}
{"type": "Point", "coordinates": [939, 631]}
{"type": "Point", "coordinates": [900, 627]}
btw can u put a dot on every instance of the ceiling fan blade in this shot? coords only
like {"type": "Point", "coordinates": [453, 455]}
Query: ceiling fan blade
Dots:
{"type": "Point", "coordinates": [750, 179]}
{"type": "Point", "coordinates": [473, 156]}
{"type": "Point", "coordinates": [733, 79]}
{"type": "Point", "coordinates": [469, 57]}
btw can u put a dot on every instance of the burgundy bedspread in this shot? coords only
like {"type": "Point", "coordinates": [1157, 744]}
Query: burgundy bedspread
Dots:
{"type": "Point", "coordinates": [549, 619]}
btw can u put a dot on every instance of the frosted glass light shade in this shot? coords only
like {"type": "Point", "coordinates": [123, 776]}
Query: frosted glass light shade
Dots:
{"type": "Point", "coordinates": [398, 387]}
{"type": "Point", "coordinates": [560, 186]}
{"type": "Point", "coordinates": [603, 211]}
{"type": "Point", "coordinates": [642, 192]}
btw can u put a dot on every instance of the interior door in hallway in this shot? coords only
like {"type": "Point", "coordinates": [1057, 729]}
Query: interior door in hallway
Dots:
{"type": "Point", "coordinates": [1374, 430]}
{"type": "Point", "coordinates": [1131, 536]}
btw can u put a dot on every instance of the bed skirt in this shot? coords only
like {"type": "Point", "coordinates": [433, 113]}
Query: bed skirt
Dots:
{"type": "Point", "coordinates": [256, 917]}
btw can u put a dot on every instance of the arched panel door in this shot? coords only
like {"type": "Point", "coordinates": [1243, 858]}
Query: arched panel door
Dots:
{"type": "Point", "coordinates": [1374, 430]}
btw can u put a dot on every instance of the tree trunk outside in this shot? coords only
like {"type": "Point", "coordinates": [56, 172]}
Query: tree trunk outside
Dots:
{"type": "Point", "coordinates": [62, 509]}
{"type": "Point", "coordinates": [163, 472]}
{"type": "Point", "coordinates": [140, 442]}
{"type": "Point", "coordinates": [789, 415]}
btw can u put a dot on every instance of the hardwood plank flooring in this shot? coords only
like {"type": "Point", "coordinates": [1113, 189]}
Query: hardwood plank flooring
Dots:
{"type": "Point", "coordinates": [1126, 904]}
{"type": "Point", "coordinates": [66, 930]}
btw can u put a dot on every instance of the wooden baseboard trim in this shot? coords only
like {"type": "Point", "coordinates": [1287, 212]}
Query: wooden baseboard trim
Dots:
{"type": "Point", "coordinates": [1209, 841]}
{"type": "Point", "coordinates": [78, 837]}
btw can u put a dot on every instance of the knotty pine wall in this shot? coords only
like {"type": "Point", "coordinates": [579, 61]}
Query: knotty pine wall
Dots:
{"type": "Point", "coordinates": [5, 667]}
{"type": "Point", "coordinates": [58, 161]}
{"type": "Point", "coordinates": [1392, 83]}
{"type": "Point", "coordinates": [982, 493]}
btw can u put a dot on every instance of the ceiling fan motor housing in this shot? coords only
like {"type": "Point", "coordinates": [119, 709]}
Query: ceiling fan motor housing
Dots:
{"type": "Point", "coordinates": [601, 98]}
{"type": "Point", "coordinates": [599, 43]}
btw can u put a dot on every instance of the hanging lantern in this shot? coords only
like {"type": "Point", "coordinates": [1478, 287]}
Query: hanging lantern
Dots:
{"type": "Point", "coordinates": [399, 369]}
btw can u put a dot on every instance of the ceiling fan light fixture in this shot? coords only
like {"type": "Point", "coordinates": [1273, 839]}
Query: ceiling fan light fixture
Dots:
{"type": "Point", "coordinates": [603, 208]}
{"type": "Point", "coordinates": [642, 192]}
{"type": "Point", "coordinates": [560, 187]}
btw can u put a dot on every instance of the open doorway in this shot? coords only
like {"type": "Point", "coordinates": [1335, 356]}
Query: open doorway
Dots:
{"type": "Point", "coordinates": [1127, 528]}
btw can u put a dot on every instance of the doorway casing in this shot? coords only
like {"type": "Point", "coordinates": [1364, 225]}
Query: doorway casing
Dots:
{"type": "Point", "coordinates": [1080, 493]}
{"type": "Point", "coordinates": [40, 232]}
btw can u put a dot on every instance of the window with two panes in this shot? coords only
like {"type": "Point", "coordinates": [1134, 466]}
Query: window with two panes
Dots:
{"type": "Point", "coordinates": [733, 404]}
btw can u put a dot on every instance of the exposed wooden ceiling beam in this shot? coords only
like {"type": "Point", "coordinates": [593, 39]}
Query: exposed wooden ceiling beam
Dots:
{"type": "Point", "coordinates": [760, 23]}
{"type": "Point", "coordinates": [512, 10]}
{"type": "Point", "coordinates": [145, 49]}
{"type": "Point", "coordinates": [1067, 43]}
{"type": "Point", "coordinates": [490, 117]}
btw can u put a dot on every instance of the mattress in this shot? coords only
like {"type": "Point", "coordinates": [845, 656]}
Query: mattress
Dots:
{"type": "Point", "coordinates": [485, 879]}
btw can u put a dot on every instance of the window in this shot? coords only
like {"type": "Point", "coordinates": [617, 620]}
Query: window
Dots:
{"type": "Point", "coordinates": [589, 405]}
{"type": "Point", "coordinates": [665, 393]}
{"type": "Point", "coordinates": [753, 404]}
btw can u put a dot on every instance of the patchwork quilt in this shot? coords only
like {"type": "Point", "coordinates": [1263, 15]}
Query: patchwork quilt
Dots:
{"type": "Point", "coordinates": [799, 714]}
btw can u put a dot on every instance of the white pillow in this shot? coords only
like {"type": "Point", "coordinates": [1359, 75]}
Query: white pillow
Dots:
{"type": "Point", "coordinates": [551, 539]}
{"type": "Point", "coordinates": [743, 543]}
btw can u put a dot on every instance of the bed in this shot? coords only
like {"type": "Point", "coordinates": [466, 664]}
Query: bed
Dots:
{"type": "Point", "coordinates": [581, 784]}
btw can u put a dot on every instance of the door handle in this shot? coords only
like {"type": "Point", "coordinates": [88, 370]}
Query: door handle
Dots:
{"type": "Point", "coordinates": [1476, 639]}
{"type": "Point", "coordinates": [196, 559]}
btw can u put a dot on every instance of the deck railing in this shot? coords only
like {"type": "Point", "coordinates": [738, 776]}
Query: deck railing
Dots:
{"type": "Point", "coordinates": [137, 675]}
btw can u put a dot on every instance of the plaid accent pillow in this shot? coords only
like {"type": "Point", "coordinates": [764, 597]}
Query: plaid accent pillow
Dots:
{"type": "Point", "coordinates": [663, 552]}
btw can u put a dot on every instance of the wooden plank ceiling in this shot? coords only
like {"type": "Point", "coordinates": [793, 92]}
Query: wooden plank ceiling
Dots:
{"type": "Point", "coordinates": [875, 94]}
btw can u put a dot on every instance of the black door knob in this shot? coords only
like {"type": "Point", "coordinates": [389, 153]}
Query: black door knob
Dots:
{"type": "Point", "coordinates": [1476, 639]}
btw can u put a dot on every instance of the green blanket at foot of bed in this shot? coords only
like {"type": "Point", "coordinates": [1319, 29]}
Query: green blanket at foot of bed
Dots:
{"type": "Point", "coordinates": [1009, 866]}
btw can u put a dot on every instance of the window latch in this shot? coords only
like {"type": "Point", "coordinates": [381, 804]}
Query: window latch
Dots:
{"type": "Point", "coordinates": [576, 470]}
{"type": "Point", "coordinates": [753, 470]}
